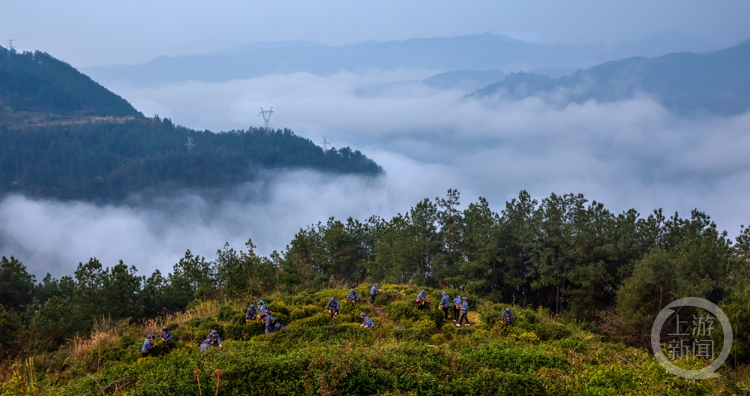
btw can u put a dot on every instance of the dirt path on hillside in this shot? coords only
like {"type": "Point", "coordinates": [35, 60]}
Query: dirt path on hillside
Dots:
{"type": "Point", "coordinates": [384, 315]}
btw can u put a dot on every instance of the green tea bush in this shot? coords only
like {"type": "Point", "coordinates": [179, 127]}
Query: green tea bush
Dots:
{"type": "Point", "coordinates": [551, 331]}
{"type": "Point", "coordinates": [278, 307]}
{"type": "Point", "coordinates": [497, 382]}
{"type": "Point", "coordinates": [317, 320]}
{"type": "Point", "coordinates": [244, 331]}
{"type": "Point", "coordinates": [406, 311]}
{"type": "Point", "coordinates": [410, 352]}
{"type": "Point", "coordinates": [514, 360]}
{"type": "Point", "coordinates": [303, 312]}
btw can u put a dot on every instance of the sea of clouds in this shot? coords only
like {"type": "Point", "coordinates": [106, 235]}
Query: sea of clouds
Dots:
{"type": "Point", "coordinates": [627, 154]}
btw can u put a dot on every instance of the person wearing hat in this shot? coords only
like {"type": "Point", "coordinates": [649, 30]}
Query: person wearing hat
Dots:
{"type": "Point", "coordinates": [262, 310]}
{"type": "Point", "coordinates": [353, 297]}
{"type": "Point", "coordinates": [464, 311]}
{"type": "Point", "coordinates": [445, 304]}
{"type": "Point", "coordinates": [422, 299]}
{"type": "Point", "coordinates": [507, 316]}
{"type": "Point", "coordinates": [213, 339]}
{"type": "Point", "coordinates": [333, 308]}
{"type": "Point", "coordinates": [366, 321]}
{"type": "Point", "coordinates": [148, 345]}
{"type": "Point", "coordinates": [373, 292]}
{"type": "Point", "coordinates": [265, 318]}
{"type": "Point", "coordinates": [270, 324]}
{"type": "Point", "coordinates": [251, 314]}
{"type": "Point", "coordinates": [166, 336]}
{"type": "Point", "coordinates": [456, 307]}
{"type": "Point", "coordinates": [278, 327]}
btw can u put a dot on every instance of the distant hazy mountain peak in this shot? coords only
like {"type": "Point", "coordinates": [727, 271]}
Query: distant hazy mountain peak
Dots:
{"type": "Point", "coordinates": [742, 43]}
{"type": "Point", "coordinates": [716, 82]}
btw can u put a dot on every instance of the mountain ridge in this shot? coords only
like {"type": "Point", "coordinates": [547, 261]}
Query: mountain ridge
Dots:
{"type": "Point", "coordinates": [716, 82]}
{"type": "Point", "coordinates": [38, 82]}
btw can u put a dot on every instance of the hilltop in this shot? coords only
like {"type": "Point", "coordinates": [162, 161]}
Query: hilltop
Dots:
{"type": "Point", "coordinates": [410, 352]}
{"type": "Point", "coordinates": [35, 84]}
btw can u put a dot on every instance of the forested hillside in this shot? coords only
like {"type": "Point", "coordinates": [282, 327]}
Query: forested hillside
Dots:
{"type": "Point", "coordinates": [109, 161]}
{"type": "Point", "coordinates": [686, 83]}
{"type": "Point", "coordinates": [37, 82]}
{"type": "Point", "coordinates": [568, 266]}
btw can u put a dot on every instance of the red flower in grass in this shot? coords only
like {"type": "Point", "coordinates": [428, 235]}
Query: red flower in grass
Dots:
{"type": "Point", "coordinates": [196, 372]}
{"type": "Point", "coordinates": [218, 372]}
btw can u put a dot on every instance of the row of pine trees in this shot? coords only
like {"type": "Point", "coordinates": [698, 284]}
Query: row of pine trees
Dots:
{"type": "Point", "coordinates": [563, 253]}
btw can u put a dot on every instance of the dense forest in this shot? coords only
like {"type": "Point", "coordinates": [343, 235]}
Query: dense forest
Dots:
{"type": "Point", "coordinates": [37, 82]}
{"type": "Point", "coordinates": [110, 161]}
{"type": "Point", "coordinates": [564, 254]}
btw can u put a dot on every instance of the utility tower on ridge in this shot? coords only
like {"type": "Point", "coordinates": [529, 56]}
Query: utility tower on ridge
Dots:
{"type": "Point", "coordinates": [10, 45]}
{"type": "Point", "coordinates": [190, 144]}
{"type": "Point", "coordinates": [266, 117]}
{"type": "Point", "coordinates": [325, 143]}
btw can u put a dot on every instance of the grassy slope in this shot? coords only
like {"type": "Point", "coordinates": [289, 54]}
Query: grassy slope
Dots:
{"type": "Point", "coordinates": [533, 356]}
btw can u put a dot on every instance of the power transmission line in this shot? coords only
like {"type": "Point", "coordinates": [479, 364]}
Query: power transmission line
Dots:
{"type": "Point", "coordinates": [361, 136]}
{"type": "Point", "coordinates": [324, 143]}
{"type": "Point", "coordinates": [10, 45]}
{"type": "Point", "coordinates": [190, 144]}
{"type": "Point", "coordinates": [266, 117]}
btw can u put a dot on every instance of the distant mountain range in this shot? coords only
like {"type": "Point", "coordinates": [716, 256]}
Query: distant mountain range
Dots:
{"type": "Point", "coordinates": [464, 79]}
{"type": "Point", "coordinates": [473, 52]}
{"type": "Point", "coordinates": [37, 82]}
{"type": "Point", "coordinates": [471, 80]}
{"type": "Point", "coordinates": [686, 83]}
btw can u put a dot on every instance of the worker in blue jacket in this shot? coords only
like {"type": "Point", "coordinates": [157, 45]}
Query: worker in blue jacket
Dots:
{"type": "Point", "coordinates": [456, 307]}
{"type": "Point", "coordinates": [353, 297]}
{"type": "Point", "coordinates": [464, 311]}
{"type": "Point", "coordinates": [262, 309]}
{"type": "Point", "coordinates": [507, 316]}
{"type": "Point", "coordinates": [166, 336]}
{"type": "Point", "coordinates": [445, 304]}
{"type": "Point", "coordinates": [333, 308]}
{"type": "Point", "coordinates": [366, 322]}
{"type": "Point", "coordinates": [422, 299]}
{"type": "Point", "coordinates": [270, 324]}
{"type": "Point", "coordinates": [373, 292]}
{"type": "Point", "coordinates": [251, 314]}
{"type": "Point", "coordinates": [148, 345]}
{"type": "Point", "coordinates": [213, 339]}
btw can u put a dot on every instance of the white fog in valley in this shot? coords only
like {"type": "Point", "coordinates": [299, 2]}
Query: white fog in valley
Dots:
{"type": "Point", "coordinates": [627, 154]}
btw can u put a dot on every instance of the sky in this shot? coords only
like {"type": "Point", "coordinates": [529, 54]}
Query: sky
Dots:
{"type": "Point", "coordinates": [94, 32]}
{"type": "Point", "coordinates": [628, 154]}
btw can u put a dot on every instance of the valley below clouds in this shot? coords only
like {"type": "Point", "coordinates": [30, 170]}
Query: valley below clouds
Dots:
{"type": "Point", "coordinates": [631, 153]}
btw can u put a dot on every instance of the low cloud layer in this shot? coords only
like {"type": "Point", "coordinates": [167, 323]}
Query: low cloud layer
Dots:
{"type": "Point", "coordinates": [628, 154]}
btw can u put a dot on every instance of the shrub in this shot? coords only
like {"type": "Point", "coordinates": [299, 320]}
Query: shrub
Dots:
{"type": "Point", "coordinates": [304, 312]}
{"type": "Point", "coordinates": [528, 337]}
{"type": "Point", "coordinates": [496, 382]}
{"type": "Point", "coordinates": [552, 331]}
{"type": "Point", "coordinates": [320, 319]}
{"type": "Point", "coordinates": [438, 339]}
{"type": "Point", "coordinates": [278, 308]}
{"type": "Point", "coordinates": [514, 360]}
